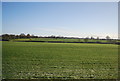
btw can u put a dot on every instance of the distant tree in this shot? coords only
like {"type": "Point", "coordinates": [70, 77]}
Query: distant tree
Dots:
{"type": "Point", "coordinates": [107, 37]}
{"type": "Point", "coordinates": [97, 38]}
{"type": "Point", "coordinates": [12, 36]}
{"type": "Point", "coordinates": [92, 37]}
{"type": "Point", "coordinates": [35, 36]}
{"type": "Point", "coordinates": [52, 36]}
{"type": "Point", "coordinates": [28, 35]}
{"type": "Point", "coordinates": [32, 36]}
{"type": "Point", "coordinates": [22, 35]}
{"type": "Point", "coordinates": [5, 37]}
{"type": "Point", "coordinates": [17, 36]}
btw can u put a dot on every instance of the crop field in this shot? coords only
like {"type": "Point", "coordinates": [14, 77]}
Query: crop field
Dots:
{"type": "Point", "coordinates": [59, 39]}
{"type": "Point", "coordinates": [36, 60]}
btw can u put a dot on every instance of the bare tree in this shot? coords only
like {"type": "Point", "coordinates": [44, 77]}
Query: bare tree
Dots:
{"type": "Point", "coordinates": [107, 37]}
{"type": "Point", "coordinates": [97, 38]}
{"type": "Point", "coordinates": [92, 37]}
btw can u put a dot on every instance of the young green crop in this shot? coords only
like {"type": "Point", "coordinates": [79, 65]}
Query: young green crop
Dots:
{"type": "Point", "coordinates": [59, 39]}
{"type": "Point", "coordinates": [27, 60]}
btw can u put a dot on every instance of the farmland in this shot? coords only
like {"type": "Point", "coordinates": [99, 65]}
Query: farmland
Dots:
{"type": "Point", "coordinates": [36, 60]}
{"type": "Point", "coordinates": [59, 39]}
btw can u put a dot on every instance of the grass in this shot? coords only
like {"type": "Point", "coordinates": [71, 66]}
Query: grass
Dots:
{"type": "Point", "coordinates": [0, 60]}
{"type": "Point", "coordinates": [59, 39]}
{"type": "Point", "coordinates": [29, 60]}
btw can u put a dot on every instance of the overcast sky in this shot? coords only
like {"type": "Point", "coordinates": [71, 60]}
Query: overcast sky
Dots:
{"type": "Point", "coordinates": [78, 19]}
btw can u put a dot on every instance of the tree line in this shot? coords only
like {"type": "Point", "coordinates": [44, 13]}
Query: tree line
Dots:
{"type": "Point", "coordinates": [7, 37]}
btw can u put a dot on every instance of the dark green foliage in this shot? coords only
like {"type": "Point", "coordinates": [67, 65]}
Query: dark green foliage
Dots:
{"type": "Point", "coordinates": [7, 37]}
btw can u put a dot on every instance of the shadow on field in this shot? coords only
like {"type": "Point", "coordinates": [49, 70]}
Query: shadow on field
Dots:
{"type": "Point", "coordinates": [118, 43]}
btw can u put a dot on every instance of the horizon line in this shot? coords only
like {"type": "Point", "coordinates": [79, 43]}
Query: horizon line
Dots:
{"type": "Point", "coordinates": [63, 36]}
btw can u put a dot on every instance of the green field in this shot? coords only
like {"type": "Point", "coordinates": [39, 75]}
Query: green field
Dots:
{"type": "Point", "coordinates": [29, 60]}
{"type": "Point", "coordinates": [58, 39]}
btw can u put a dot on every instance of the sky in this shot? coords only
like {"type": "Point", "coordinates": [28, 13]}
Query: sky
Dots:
{"type": "Point", "coordinates": [0, 17]}
{"type": "Point", "coordinates": [60, 0]}
{"type": "Point", "coordinates": [72, 19]}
